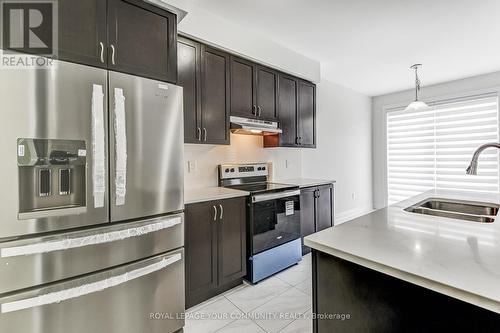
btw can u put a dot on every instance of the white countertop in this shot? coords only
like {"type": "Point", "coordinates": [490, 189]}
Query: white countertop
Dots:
{"type": "Point", "coordinates": [304, 182]}
{"type": "Point", "coordinates": [211, 193]}
{"type": "Point", "coordinates": [457, 258]}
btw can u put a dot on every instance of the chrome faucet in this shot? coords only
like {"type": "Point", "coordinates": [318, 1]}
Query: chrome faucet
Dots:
{"type": "Point", "coordinates": [472, 169]}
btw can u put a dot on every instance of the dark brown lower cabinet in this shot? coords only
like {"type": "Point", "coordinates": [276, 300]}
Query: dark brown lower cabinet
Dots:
{"type": "Point", "coordinates": [316, 210]}
{"type": "Point", "coordinates": [215, 245]}
{"type": "Point", "coordinates": [353, 298]}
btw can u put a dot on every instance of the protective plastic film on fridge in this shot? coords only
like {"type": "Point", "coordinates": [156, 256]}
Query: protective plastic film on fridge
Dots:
{"type": "Point", "coordinates": [92, 228]}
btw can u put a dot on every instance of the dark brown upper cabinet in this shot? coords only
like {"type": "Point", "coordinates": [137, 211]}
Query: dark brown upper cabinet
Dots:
{"type": "Point", "coordinates": [204, 75]}
{"type": "Point", "coordinates": [253, 90]}
{"type": "Point", "coordinates": [215, 245]}
{"type": "Point", "coordinates": [267, 88]}
{"type": "Point", "coordinates": [287, 110]}
{"type": "Point", "coordinates": [242, 88]}
{"type": "Point", "coordinates": [142, 40]}
{"type": "Point", "coordinates": [296, 114]}
{"type": "Point", "coordinates": [129, 36]}
{"type": "Point", "coordinates": [215, 95]}
{"type": "Point", "coordinates": [306, 114]}
{"type": "Point", "coordinates": [189, 78]}
{"type": "Point", "coordinates": [82, 32]}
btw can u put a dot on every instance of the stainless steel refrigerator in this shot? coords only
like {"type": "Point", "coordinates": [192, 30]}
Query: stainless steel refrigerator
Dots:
{"type": "Point", "coordinates": [91, 218]}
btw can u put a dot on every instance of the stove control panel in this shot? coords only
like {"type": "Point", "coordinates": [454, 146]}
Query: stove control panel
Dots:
{"type": "Point", "coordinates": [242, 170]}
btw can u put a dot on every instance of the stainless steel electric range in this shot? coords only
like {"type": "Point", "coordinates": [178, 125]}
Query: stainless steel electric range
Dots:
{"type": "Point", "coordinates": [273, 219]}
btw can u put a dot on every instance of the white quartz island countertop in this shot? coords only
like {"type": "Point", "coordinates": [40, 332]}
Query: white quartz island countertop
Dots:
{"type": "Point", "coordinates": [211, 193]}
{"type": "Point", "coordinates": [304, 182]}
{"type": "Point", "coordinates": [454, 257]}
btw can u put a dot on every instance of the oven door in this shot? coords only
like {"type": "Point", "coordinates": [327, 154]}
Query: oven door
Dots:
{"type": "Point", "coordinates": [275, 219]}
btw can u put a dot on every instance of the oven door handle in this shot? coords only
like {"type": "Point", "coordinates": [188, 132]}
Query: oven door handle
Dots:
{"type": "Point", "coordinates": [274, 195]}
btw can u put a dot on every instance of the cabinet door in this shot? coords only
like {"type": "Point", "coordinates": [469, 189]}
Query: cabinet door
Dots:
{"type": "Point", "coordinates": [188, 59]}
{"type": "Point", "coordinates": [215, 96]}
{"type": "Point", "coordinates": [267, 83]}
{"type": "Point", "coordinates": [201, 251]}
{"type": "Point", "coordinates": [307, 214]}
{"type": "Point", "coordinates": [142, 40]}
{"type": "Point", "coordinates": [287, 112]}
{"type": "Point", "coordinates": [307, 114]}
{"type": "Point", "coordinates": [324, 207]}
{"type": "Point", "coordinates": [82, 32]}
{"type": "Point", "coordinates": [242, 88]}
{"type": "Point", "coordinates": [232, 240]}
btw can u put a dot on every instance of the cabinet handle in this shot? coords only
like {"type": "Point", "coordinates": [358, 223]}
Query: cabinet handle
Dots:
{"type": "Point", "coordinates": [112, 54]}
{"type": "Point", "coordinates": [198, 133]}
{"type": "Point", "coordinates": [101, 45]}
{"type": "Point", "coordinates": [254, 110]}
{"type": "Point", "coordinates": [215, 213]}
{"type": "Point", "coordinates": [260, 111]}
{"type": "Point", "coordinates": [204, 134]}
{"type": "Point", "coordinates": [221, 211]}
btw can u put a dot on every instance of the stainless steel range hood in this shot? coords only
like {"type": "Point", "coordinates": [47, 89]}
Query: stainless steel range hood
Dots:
{"type": "Point", "coordinates": [240, 125]}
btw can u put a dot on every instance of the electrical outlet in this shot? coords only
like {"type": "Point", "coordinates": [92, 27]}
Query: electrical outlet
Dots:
{"type": "Point", "coordinates": [191, 166]}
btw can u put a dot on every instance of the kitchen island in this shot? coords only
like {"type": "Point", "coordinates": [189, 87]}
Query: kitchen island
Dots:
{"type": "Point", "coordinates": [393, 270]}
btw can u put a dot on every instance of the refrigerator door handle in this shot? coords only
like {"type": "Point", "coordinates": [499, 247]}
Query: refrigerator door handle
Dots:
{"type": "Point", "coordinates": [120, 147]}
{"type": "Point", "coordinates": [41, 247]}
{"type": "Point", "coordinates": [89, 288]}
{"type": "Point", "coordinates": [98, 150]}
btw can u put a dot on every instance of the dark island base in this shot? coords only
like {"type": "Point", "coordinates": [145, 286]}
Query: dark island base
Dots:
{"type": "Point", "coordinates": [376, 302]}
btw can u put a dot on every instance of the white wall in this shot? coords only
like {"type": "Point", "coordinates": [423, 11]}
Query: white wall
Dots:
{"type": "Point", "coordinates": [343, 148]}
{"type": "Point", "coordinates": [477, 84]}
{"type": "Point", "coordinates": [243, 149]}
{"type": "Point", "coordinates": [218, 31]}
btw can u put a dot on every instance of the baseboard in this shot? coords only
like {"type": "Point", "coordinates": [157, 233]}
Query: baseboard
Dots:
{"type": "Point", "coordinates": [352, 214]}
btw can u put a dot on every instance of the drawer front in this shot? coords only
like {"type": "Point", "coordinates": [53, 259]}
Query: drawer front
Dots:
{"type": "Point", "coordinates": [31, 262]}
{"type": "Point", "coordinates": [146, 296]}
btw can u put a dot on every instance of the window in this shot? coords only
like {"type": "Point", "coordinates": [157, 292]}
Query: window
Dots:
{"type": "Point", "coordinates": [431, 149]}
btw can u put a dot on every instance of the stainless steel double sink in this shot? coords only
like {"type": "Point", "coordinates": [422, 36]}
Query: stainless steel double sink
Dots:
{"type": "Point", "coordinates": [456, 209]}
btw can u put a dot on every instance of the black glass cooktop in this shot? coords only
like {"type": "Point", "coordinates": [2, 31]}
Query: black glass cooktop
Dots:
{"type": "Point", "coordinates": [261, 187]}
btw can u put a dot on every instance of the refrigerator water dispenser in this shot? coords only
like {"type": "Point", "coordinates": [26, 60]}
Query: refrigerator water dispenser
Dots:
{"type": "Point", "coordinates": [51, 177]}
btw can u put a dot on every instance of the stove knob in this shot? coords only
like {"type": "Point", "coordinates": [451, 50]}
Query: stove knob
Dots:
{"type": "Point", "coordinates": [232, 169]}
{"type": "Point", "coordinates": [259, 168]}
{"type": "Point", "coordinates": [227, 170]}
{"type": "Point", "coordinates": [263, 168]}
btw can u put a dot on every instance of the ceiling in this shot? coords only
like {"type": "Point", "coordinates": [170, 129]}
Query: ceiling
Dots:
{"type": "Point", "coordinates": [369, 45]}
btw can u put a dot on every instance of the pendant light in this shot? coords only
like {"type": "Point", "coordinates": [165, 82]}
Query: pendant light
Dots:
{"type": "Point", "coordinates": [416, 105]}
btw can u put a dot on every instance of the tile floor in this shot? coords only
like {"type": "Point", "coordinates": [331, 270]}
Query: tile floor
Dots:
{"type": "Point", "coordinates": [281, 303]}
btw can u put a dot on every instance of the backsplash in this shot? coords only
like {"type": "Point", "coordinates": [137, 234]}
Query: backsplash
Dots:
{"type": "Point", "coordinates": [287, 162]}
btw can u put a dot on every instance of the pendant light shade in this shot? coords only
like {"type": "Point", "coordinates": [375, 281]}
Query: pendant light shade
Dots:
{"type": "Point", "coordinates": [416, 105]}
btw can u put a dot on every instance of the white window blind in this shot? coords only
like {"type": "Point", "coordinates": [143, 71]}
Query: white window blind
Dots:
{"type": "Point", "coordinates": [431, 149]}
